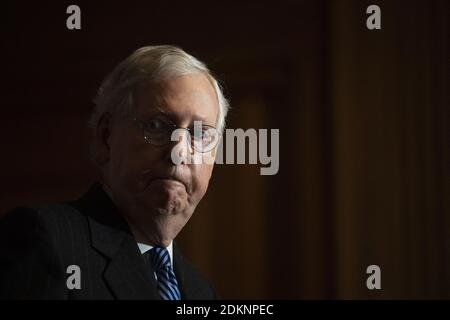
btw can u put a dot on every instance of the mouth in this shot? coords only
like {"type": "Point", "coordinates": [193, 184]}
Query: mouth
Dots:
{"type": "Point", "coordinates": [166, 180]}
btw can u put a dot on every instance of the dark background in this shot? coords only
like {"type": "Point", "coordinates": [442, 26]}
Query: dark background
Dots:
{"type": "Point", "coordinates": [364, 134]}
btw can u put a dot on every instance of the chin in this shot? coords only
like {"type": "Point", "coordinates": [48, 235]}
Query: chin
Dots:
{"type": "Point", "coordinates": [162, 204]}
{"type": "Point", "coordinates": [167, 210]}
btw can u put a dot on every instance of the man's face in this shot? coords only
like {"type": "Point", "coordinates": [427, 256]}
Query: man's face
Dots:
{"type": "Point", "coordinates": [157, 196]}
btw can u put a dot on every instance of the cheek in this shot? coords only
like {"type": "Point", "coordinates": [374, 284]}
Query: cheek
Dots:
{"type": "Point", "coordinates": [129, 162]}
{"type": "Point", "coordinates": [201, 176]}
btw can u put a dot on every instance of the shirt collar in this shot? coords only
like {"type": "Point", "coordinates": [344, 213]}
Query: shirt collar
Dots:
{"type": "Point", "coordinates": [145, 247]}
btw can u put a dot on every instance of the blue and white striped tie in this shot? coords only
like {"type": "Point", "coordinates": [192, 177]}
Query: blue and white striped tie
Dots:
{"type": "Point", "coordinates": [166, 280]}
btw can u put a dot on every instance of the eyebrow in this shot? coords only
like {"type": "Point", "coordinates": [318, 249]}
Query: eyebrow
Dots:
{"type": "Point", "coordinates": [156, 111]}
{"type": "Point", "coordinates": [160, 110]}
{"type": "Point", "coordinates": [173, 117]}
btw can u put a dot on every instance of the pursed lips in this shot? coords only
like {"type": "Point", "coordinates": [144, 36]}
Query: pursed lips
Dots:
{"type": "Point", "coordinates": [170, 178]}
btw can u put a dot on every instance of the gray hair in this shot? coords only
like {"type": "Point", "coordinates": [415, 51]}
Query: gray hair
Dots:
{"type": "Point", "coordinates": [151, 63]}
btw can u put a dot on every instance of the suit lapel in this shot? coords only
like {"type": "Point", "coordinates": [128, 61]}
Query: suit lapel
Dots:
{"type": "Point", "coordinates": [126, 273]}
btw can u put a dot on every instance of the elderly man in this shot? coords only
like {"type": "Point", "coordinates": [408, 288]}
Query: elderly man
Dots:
{"type": "Point", "coordinates": [117, 240]}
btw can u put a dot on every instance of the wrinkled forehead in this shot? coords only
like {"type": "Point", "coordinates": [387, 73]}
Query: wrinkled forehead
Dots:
{"type": "Point", "coordinates": [183, 99]}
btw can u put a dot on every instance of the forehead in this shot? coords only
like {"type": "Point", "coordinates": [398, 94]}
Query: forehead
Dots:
{"type": "Point", "coordinates": [183, 98]}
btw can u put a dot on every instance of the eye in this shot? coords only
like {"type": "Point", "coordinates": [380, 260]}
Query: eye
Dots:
{"type": "Point", "coordinates": [156, 125]}
{"type": "Point", "coordinates": [200, 134]}
{"type": "Point", "coordinates": [205, 139]}
{"type": "Point", "coordinates": [206, 134]}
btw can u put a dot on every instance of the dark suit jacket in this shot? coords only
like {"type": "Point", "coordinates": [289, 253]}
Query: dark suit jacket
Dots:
{"type": "Point", "coordinates": [37, 246]}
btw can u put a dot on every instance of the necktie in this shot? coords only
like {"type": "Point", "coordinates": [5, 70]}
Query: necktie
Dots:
{"type": "Point", "coordinates": [166, 281]}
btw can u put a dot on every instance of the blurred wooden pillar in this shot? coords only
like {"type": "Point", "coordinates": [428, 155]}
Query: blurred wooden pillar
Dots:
{"type": "Point", "coordinates": [302, 194]}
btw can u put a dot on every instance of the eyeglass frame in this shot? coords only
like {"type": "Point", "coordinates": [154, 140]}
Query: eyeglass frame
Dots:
{"type": "Point", "coordinates": [174, 127]}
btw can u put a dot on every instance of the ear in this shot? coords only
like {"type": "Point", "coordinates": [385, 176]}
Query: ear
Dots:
{"type": "Point", "coordinates": [102, 136]}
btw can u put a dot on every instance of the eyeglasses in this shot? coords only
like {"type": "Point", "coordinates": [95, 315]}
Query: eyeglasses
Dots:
{"type": "Point", "coordinates": [158, 132]}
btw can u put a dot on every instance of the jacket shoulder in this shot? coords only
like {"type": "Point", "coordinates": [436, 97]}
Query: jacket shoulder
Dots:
{"type": "Point", "coordinates": [30, 265]}
{"type": "Point", "coordinates": [57, 219]}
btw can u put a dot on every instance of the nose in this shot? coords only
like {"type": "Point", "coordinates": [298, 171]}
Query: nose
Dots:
{"type": "Point", "coordinates": [179, 150]}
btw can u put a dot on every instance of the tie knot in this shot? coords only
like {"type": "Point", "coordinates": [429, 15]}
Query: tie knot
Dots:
{"type": "Point", "coordinates": [159, 258]}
